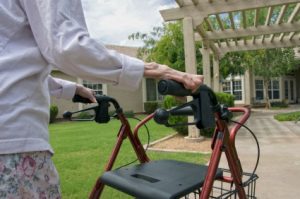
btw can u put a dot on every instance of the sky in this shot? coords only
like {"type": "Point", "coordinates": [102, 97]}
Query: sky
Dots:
{"type": "Point", "coordinates": [112, 21]}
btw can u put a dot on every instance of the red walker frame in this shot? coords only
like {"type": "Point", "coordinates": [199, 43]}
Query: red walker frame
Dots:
{"type": "Point", "coordinates": [223, 141]}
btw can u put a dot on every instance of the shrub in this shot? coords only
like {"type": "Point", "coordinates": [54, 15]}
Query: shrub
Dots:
{"type": "Point", "coordinates": [150, 106]}
{"type": "Point", "coordinates": [223, 98]}
{"type": "Point", "coordinates": [129, 114]}
{"type": "Point", "coordinates": [53, 113]}
{"type": "Point", "coordinates": [169, 102]}
{"type": "Point", "coordinates": [84, 115]}
{"type": "Point", "coordinates": [282, 104]}
{"type": "Point", "coordinates": [226, 99]}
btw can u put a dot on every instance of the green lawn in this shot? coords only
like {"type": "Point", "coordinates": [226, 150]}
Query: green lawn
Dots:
{"type": "Point", "coordinates": [82, 150]}
{"type": "Point", "coordinates": [291, 116]}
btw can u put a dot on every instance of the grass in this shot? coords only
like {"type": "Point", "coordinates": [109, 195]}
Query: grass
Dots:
{"type": "Point", "coordinates": [292, 116]}
{"type": "Point", "coordinates": [82, 150]}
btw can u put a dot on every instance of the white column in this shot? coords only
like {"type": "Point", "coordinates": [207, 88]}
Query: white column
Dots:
{"type": "Point", "coordinates": [189, 45]}
{"type": "Point", "coordinates": [206, 65]}
{"type": "Point", "coordinates": [247, 87]}
{"type": "Point", "coordinates": [216, 77]}
{"type": "Point", "coordinates": [190, 62]}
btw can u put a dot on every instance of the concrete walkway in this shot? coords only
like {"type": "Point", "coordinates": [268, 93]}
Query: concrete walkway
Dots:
{"type": "Point", "coordinates": [279, 166]}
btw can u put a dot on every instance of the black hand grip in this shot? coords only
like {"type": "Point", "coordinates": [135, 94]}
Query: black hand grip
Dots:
{"type": "Point", "coordinates": [185, 111]}
{"type": "Point", "coordinates": [78, 98]}
{"type": "Point", "coordinates": [171, 87]}
{"type": "Point", "coordinates": [161, 116]}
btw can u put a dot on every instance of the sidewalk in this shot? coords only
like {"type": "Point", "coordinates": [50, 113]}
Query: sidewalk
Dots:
{"type": "Point", "coordinates": [279, 166]}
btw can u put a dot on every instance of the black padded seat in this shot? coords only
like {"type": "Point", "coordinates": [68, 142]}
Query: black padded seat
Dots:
{"type": "Point", "coordinates": [162, 179]}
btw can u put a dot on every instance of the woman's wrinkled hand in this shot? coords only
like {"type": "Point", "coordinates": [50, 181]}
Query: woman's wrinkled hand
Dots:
{"type": "Point", "coordinates": [85, 93]}
{"type": "Point", "coordinates": [159, 71]}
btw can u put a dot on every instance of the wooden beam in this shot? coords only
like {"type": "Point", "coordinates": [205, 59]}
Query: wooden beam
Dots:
{"type": "Point", "coordinates": [286, 42]}
{"type": "Point", "coordinates": [252, 31]}
{"type": "Point", "coordinates": [294, 13]}
{"type": "Point", "coordinates": [232, 24]}
{"type": "Point", "coordinates": [195, 2]}
{"type": "Point", "coordinates": [256, 17]}
{"type": "Point", "coordinates": [253, 39]}
{"type": "Point", "coordinates": [281, 36]}
{"type": "Point", "coordinates": [221, 26]}
{"type": "Point", "coordinates": [244, 19]}
{"type": "Point", "coordinates": [209, 25]}
{"type": "Point", "coordinates": [219, 22]}
{"type": "Point", "coordinates": [291, 36]}
{"type": "Point", "coordinates": [180, 13]}
{"type": "Point", "coordinates": [205, 8]}
{"type": "Point", "coordinates": [211, 45]}
{"type": "Point", "coordinates": [180, 3]}
{"type": "Point", "coordinates": [244, 24]}
{"type": "Point", "coordinates": [270, 11]}
{"type": "Point", "coordinates": [279, 20]}
{"type": "Point", "coordinates": [231, 20]}
{"type": "Point", "coordinates": [281, 14]}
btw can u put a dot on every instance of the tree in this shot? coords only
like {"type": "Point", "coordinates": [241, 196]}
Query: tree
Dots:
{"type": "Point", "coordinates": [165, 45]}
{"type": "Point", "coordinates": [269, 64]}
{"type": "Point", "coordinates": [233, 63]}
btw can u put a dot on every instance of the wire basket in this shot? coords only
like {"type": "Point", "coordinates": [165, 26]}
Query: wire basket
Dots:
{"type": "Point", "coordinates": [225, 190]}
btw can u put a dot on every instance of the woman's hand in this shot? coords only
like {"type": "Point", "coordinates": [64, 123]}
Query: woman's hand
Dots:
{"type": "Point", "coordinates": [158, 71]}
{"type": "Point", "coordinates": [85, 92]}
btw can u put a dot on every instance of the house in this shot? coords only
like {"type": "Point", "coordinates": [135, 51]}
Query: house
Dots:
{"type": "Point", "coordinates": [249, 89]}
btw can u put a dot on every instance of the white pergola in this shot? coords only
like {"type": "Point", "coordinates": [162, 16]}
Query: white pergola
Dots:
{"type": "Point", "coordinates": [224, 26]}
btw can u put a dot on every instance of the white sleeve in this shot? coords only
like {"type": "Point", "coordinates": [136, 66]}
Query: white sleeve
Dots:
{"type": "Point", "coordinates": [61, 88]}
{"type": "Point", "coordinates": [61, 34]}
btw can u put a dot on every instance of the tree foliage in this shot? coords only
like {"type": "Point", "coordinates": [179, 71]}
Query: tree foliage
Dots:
{"type": "Point", "coordinates": [271, 63]}
{"type": "Point", "coordinates": [165, 45]}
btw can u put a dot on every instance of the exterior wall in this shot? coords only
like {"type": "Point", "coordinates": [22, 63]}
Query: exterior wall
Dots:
{"type": "Point", "coordinates": [128, 100]}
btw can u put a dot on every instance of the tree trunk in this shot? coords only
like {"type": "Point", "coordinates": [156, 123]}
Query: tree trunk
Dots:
{"type": "Point", "coordinates": [266, 91]}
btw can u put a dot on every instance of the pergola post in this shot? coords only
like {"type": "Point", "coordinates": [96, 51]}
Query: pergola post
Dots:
{"type": "Point", "coordinates": [206, 66]}
{"type": "Point", "coordinates": [248, 86]}
{"type": "Point", "coordinates": [190, 62]}
{"type": "Point", "coordinates": [216, 76]}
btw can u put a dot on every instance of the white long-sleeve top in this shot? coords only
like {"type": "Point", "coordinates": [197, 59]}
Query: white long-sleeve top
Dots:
{"type": "Point", "coordinates": [35, 34]}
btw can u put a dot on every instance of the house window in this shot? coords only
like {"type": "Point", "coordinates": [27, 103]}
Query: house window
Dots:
{"type": "Point", "coordinates": [98, 88]}
{"type": "Point", "coordinates": [286, 89]}
{"type": "Point", "coordinates": [237, 89]}
{"type": "Point", "coordinates": [259, 89]}
{"type": "Point", "coordinates": [151, 91]}
{"type": "Point", "coordinates": [292, 90]}
{"type": "Point", "coordinates": [274, 89]}
{"type": "Point", "coordinates": [227, 87]}
{"type": "Point", "coordinates": [233, 87]}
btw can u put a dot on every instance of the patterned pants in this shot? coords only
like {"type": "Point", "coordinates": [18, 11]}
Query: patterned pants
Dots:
{"type": "Point", "coordinates": [28, 176]}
